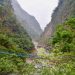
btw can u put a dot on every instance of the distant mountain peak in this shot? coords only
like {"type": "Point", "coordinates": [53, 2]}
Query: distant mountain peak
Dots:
{"type": "Point", "coordinates": [64, 10]}
{"type": "Point", "coordinates": [27, 21]}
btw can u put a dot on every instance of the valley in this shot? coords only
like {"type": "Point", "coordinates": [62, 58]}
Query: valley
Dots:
{"type": "Point", "coordinates": [27, 50]}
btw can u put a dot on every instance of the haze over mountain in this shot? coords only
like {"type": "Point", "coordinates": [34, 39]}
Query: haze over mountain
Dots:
{"type": "Point", "coordinates": [27, 21]}
{"type": "Point", "coordinates": [41, 9]}
{"type": "Point", "coordinates": [65, 10]}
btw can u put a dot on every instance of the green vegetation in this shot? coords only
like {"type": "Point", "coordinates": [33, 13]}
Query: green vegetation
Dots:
{"type": "Point", "coordinates": [11, 64]}
{"type": "Point", "coordinates": [63, 69]}
{"type": "Point", "coordinates": [13, 38]}
{"type": "Point", "coordinates": [63, 49]}
{"type": "Point", "coordinates": [15, 42]}
{"type": "Point", "coordinates": [64, 38]}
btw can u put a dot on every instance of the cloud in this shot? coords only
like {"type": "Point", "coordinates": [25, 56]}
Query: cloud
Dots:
{"type": "Point", "coordinates": [40, 9]}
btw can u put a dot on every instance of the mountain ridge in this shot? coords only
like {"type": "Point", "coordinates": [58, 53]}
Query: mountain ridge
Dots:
{"type": "Point", "coordinates": [27, 21]}
{"type": "Point", "coordinates": [15, 38]}
{"type": "Point", "coordinates": [64, 10]}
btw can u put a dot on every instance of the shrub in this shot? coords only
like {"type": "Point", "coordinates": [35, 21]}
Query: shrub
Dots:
{"type": "Point", "coordinates": [64, 36]}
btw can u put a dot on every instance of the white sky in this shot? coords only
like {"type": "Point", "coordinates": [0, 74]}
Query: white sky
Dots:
{"type": "Point", "coordinates": [40, 9]}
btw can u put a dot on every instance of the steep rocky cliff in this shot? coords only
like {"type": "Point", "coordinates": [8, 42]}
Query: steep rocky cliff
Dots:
{"type": "Point", "coordinates": [13, 37]}
{"type": "Point", "coordinates": [64, 10]}
{"type": "Point", "coordinates": [27, 21]}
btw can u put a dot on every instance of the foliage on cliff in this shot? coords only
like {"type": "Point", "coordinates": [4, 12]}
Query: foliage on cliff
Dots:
{"type": "Point", "coordinates": [62, 51]}
{"type": "Point", "coordinates": [64, 37]}
{"type": "Point", "coordinates": [12, 36]}
{"type": "Point", "coordinates": [64, 10]}
{"type": "Point", "coordinates": [14, 42]}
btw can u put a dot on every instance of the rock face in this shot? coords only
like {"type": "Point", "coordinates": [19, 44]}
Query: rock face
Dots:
{"type": "Point", "coordinates": [65, 10]}
{"type": "Point", "coordinates": [27, 21]}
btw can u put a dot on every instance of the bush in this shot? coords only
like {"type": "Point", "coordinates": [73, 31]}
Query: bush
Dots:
{"type": "Point", "coordinates": [63, 69]}
{"type": "Point", "coordinates": [64, 36]}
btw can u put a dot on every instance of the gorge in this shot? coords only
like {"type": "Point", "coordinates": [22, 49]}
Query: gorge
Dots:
{"type": "Point", "coordinates": [25, 49]}
{"type": "Point", "coordinates": [64, 10]}
{"type": "Point", "coordinates": [29, 22]}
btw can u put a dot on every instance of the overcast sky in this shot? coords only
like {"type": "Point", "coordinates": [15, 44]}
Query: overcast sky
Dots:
{"type": "Point", "coordinates": [40, 9]}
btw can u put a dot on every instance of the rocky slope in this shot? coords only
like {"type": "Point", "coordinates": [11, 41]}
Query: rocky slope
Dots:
{"type": "Point", "coordinates": [65, 9]}
{"type": "Point", "coordinates": [13, 36]}
{"type": "Point", "coordinates": [27, 21]}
